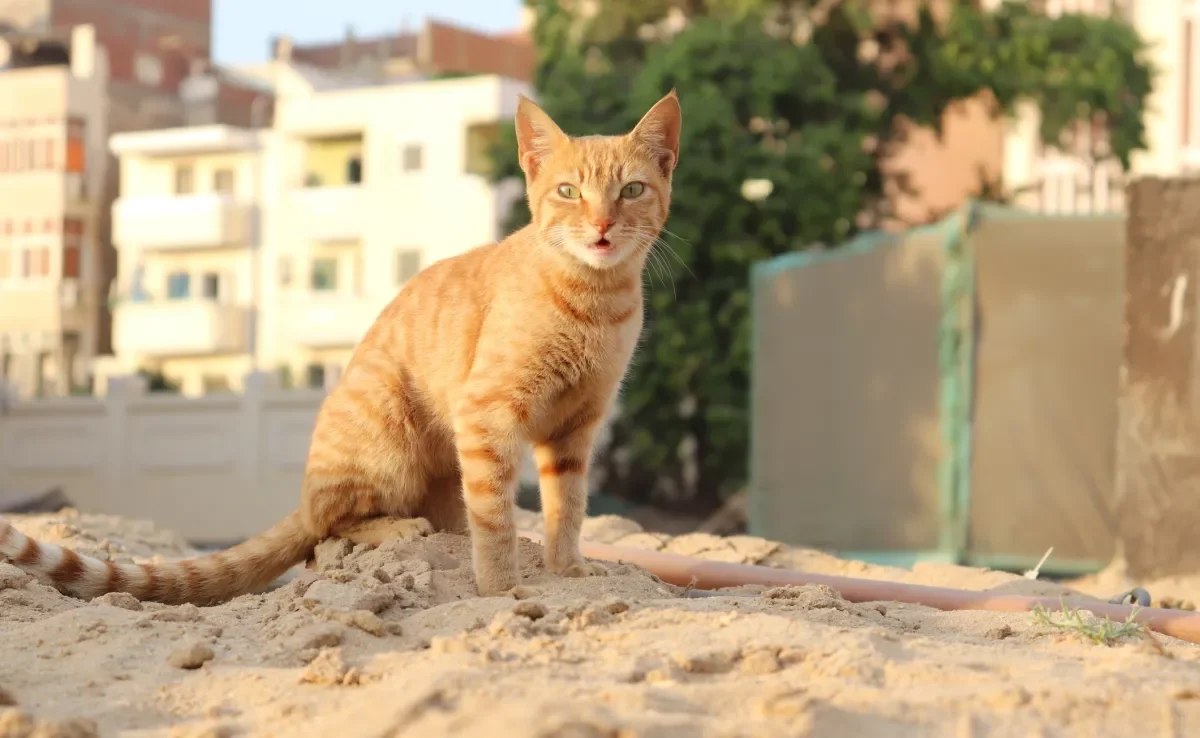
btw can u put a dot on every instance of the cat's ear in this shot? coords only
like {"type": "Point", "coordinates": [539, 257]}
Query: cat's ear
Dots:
{"type": "Point", "coordinates": [537, 135]}
{"type": "Point", "coordinates": [659, 129]}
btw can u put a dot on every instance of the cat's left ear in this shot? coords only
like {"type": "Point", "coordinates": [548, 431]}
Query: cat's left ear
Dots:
{"type": "Point", "coordinates": [659, 129]}
{"type": "Point", "coordinates": [537, 135]}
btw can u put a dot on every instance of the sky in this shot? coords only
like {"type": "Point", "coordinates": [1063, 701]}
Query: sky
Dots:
{"type": "Point", "coordinates": [242, 29]}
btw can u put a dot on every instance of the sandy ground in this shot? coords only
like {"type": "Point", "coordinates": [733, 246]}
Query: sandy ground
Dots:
{"type": "Point", "coordinates": [392, 642]}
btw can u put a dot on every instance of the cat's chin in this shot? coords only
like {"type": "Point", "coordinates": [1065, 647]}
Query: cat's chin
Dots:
{"type": "Point", "coordinates": [599, 257]}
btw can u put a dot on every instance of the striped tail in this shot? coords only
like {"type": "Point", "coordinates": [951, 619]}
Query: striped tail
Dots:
{"type": "Point", "coordinates": [206, 580]}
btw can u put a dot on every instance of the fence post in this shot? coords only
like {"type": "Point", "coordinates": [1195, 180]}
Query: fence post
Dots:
{"type": "Point", "coordinates": [121, 391]}
{"type": "Point", "coordinates": [251, 450]}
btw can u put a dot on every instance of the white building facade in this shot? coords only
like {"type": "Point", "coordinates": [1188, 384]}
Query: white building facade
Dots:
{"type": "Point", "coordinates": [274, 250]}
{"type": "Point", "coordinates": [370, 185]}
{"type": "Point", "coordinates": [1081, 177]}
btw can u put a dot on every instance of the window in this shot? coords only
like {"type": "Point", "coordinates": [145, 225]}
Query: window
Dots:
{"type": "Point", "coordinates": [408, 263]}
{"type": "Point", "coordinates": [481, 139]}
{"type": "Point", "coordinates": [223, 181]}
{"type": "Point", "coordinates": [148, 69]}
{"type": "Point", "coordinates": [324, 273]}
{"type": "Point", "coordinates": [51, 151]}
{"type": "Point", "coordinates": [35, 262]}
{"type": "Point", "coordinates": [179, 286]}
{"type": "Point", "coordinates": [285, 271]}
{"type": "Point", "coordinates": [411, 158]}
{"type": "Point", "coordinates": [72, 246]}
{"type": "Point", "coordinates": [215, 383]}
{"type": "Point", "coordinates": [71, 262]}
{"type": "Point", "coordinates": [354, 170]}
{"type": "Point", "coordinates": [3, 156]}
{"type": "Point", "coordinates": [33, 153]}
{"type": "Point", "coordinates": [76, 151]}
{"type": "Point", "coordinates": [184, 176]}
{"type": "Point", "coordinates": [5, 263]}
{"type": "Point", "coordinates": [210, 287]}
{"type": "Point", "coordinates": [315, 375]}
{"type": "Point", "coordinates": [19, 154]}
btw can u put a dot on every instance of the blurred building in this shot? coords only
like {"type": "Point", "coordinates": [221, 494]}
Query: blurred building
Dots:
{"type": "Point", "coordinates": [187, 228]}
{"type": "Point", "coordinates": [53, 128]}
{"type": "Point", "coordinates": [370, 184]}
{"type": "Point", "coordinates": [275, 249]}
{"type": "Point", "coordinates": [436, 49]}
{"type": "Point", "coordinates": [150, 72]}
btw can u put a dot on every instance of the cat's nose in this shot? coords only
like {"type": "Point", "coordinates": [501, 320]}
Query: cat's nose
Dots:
{"type": "Point", "coordinates": [602, 225]}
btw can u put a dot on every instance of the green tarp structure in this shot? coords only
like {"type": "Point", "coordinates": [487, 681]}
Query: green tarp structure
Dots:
{"type": "Point", "coordinates": [946, 394]}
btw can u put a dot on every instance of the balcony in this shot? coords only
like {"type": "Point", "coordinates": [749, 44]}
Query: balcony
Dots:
{"type": "Point", "coordinates": [183, 222]}
{"type": "Point", "coordinates": [180, 328]}
{"type": "Point", "coordinates": [319, 321]}
{"type": "Point", "coordinates": [329, 213]}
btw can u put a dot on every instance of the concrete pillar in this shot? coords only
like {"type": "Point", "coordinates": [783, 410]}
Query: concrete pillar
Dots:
{"type": "Point", "coordinates": [1157, 501]}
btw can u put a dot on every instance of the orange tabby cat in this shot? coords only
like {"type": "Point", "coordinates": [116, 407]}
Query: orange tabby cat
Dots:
{"type": "Point", "coordinates": [516, 343]}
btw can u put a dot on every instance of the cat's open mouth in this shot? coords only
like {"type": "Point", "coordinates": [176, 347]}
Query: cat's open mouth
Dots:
{"type": "Point", "coordinates": [602, 245]}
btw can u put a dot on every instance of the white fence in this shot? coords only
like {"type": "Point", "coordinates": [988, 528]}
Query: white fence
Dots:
{"type": "Point", "coordinates": [216, 469]}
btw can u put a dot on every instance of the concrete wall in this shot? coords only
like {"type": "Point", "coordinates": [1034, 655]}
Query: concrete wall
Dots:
{"type": "Point", "coordinates": [217, 468]}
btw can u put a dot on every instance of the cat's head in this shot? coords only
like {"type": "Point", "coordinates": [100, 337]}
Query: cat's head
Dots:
{"type": "Point", "coordinates": [602, 199]}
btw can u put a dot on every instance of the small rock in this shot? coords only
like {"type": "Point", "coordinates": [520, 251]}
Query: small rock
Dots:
{"type": "Point", "coordinates": [13, 578]}
{"type": "Point", "coordinates": [329, 669]}
{"type": "Point", "coordinates": [325, 635]}
{"type": "Point", "coordinates": [999, 634]}
{"type": "Point", "coordinates": [531, 610]}
{"type": "Point", "coordinates": [614, 606]}
{"type": "Point", "coordinates": [191, 657]}
{"type": "Point", "coordinates": [382, 576]}
{"type": "Point", "coordinates": [6, 698]}
{"type": "Point", "coordinates": [348, 597]}
{"type": "Point", "coordinates": [444, 645]}
{"type": "Point", "coordinates": [123, 600]}
{"type": "Point", "coordinates": [712, 662]}
{"type": "Point", "coordinates": [760, 661]}
{"type": "Point", "coordinates": [807, 597]}
{"type": "Point", "coordinates": [330, 552]}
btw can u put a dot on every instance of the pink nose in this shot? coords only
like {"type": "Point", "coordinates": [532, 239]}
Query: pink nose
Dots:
{"type": "Point", "coordinates": [602, 225]}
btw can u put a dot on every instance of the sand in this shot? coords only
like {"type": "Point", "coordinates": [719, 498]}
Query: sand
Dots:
{"type": "Point", "coordinates": [391, 641]}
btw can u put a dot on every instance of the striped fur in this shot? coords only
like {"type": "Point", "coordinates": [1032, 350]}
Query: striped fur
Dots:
{"type": "Point", "coordinates": [519, 343]}
{"type": "Point", "coordinates": [205, 580]}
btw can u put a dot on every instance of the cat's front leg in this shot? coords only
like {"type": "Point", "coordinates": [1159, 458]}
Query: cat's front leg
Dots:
{"type": "Point", "coordinates": [488, 455]}
{"type": "Point", "coordinates": [563, 459]}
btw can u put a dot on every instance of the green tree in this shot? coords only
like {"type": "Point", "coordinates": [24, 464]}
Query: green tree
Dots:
{"type": "Point", "coordinates": [806, 98]}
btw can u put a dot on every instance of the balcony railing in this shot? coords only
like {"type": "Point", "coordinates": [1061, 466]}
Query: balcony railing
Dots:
{"type": "Point", "coordinates": [184, 222]}
{"type": "Point", "coordinates": [190, 327]}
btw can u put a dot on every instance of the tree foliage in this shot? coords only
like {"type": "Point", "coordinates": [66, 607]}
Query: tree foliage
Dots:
{"type": "Point", "coordinates": [805, 96]}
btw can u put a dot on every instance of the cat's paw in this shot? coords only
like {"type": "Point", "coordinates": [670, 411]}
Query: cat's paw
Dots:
{"type": "Point", "coordinates": [496, 585]}
{"type": "Point", "coordinates": [584, 569]}
{"type": "Point", "coordinates": [521, 592]}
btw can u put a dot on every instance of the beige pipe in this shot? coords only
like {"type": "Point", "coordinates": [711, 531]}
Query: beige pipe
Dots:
{"type": "Point", "coordinates": [703, 574]}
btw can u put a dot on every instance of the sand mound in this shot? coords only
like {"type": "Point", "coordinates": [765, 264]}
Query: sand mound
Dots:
{"type": "Point", "coordinates": [392, 641]}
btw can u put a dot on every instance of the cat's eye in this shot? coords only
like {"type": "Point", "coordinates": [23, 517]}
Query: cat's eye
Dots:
{"type": "Point", "coordinates": [571, 192]}
{"type": "Point", "coordinates": [633, 189]}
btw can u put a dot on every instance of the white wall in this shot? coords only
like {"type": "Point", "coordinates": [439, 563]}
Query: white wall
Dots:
{"type": "Point", "coordinates": [217, 468]}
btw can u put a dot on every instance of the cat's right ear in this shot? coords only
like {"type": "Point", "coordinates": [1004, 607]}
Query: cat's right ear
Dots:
{"type": "Point", "coordinates": [537, 135]}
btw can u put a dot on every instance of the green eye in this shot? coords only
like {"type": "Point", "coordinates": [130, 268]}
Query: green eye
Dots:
{"type": "Point", "coordinates": [571, 192]}
{"type": "Point", "coordinates": [633, 189]}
